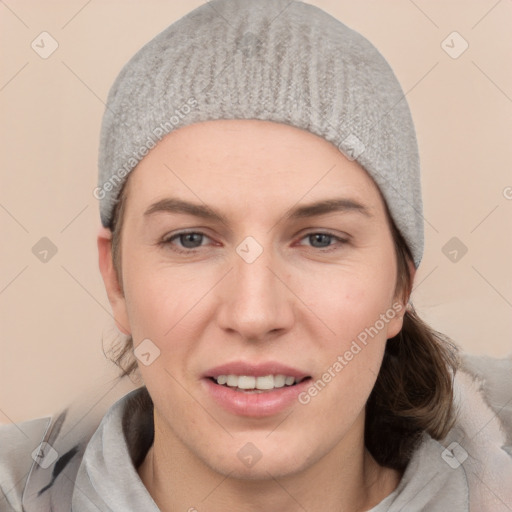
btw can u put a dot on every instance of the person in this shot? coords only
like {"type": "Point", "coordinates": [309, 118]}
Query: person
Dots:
{"type": "Point", "coordinates": [261, 210]}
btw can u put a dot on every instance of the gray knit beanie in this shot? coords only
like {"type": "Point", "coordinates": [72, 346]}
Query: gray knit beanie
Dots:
{"type": "Point", "coordinates": [276, 60]}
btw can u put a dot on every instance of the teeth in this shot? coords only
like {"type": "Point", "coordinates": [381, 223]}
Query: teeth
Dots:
{"type": "Point", "coordinates": [222, 379]}
{"type": "Point", "coordinates": [232, 381]}
{"type": "Point", "coordinates": [250, 382]}
{"type": "Point", "coordinates": [245, 382]}
{"type": "Point", "coordinates": [289, 381]}
{"type": "Point", "coordinates": [279, 381]}
{"type": "Point", "coordinates": [266, 382]}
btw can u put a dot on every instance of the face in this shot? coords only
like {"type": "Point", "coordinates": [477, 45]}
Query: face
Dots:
{"type": "Point", "coordinates": [233, 280]}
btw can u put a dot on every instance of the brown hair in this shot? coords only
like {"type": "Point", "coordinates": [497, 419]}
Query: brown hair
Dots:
{"type": "Point", "coordinates": [413, 392]}
{"type": "Point", "coordinates": [414, 389]}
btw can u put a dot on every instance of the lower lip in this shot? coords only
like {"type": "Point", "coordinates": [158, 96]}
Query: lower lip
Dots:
{"type": "Point", "coordinates": [254, 404]}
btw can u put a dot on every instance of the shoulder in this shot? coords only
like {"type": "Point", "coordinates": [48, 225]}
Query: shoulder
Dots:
{"type": "Point", "coordinates": [40, 458]}
{"type": "Point", "coordinates": [481, 439]}
{"type": "Point", "coordinates": [493, 377]}
{"type": "Point", "coordinates": [17, 445]}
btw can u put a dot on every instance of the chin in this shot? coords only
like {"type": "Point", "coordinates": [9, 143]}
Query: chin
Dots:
{"type": "Point", "coordinates": [261, 470]}
{"type": "Point", "coordinates": [252, 463]}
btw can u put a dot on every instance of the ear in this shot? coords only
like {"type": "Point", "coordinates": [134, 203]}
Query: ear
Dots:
{"type": "Point", "coordinates": [400, 306]}
{"type": "Point", "coordinates": [412, 272]}
{"type": "Point", "coordinates": [112, 285]}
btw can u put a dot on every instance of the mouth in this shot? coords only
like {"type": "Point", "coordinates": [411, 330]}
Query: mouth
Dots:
{"type": "Point", "coordinates": [257, 384]}
{"type": "Point", "coordinates": [262, 377]}
{"type": "Point", "coordinates": [255, 390]}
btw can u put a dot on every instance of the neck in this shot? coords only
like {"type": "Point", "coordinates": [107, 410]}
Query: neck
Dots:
{"type": "Point", "coordinates": [346, 479]}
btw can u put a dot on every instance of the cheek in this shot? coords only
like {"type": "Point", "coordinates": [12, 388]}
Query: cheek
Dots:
{"type": "Point", "coordinates": [348, 299]}
{"type": "Point", "coordinates": [352, 301]}
{"type": "Point", "coordinates": [349, 362]}
{"type": "Point", "coordinates": [357, 306]}
{"type": "Point", "coordinates": [146, 304]}
{"type": "Point", "coordinates": [157, 297]}
{"type": "Point", "coordinates": [170, 307]}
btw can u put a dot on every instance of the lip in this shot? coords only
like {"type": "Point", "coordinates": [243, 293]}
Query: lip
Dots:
{"type": "Point", "coordinates": [256, 370]}
{"type": "Point", "coordinates": [254, 405]}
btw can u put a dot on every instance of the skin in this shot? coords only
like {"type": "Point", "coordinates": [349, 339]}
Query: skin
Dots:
{"type": "Point", "coordinates": [296, 304]}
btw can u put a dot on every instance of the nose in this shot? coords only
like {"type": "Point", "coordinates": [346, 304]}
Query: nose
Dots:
{"type": "Point", "coordinates": [256, 302]}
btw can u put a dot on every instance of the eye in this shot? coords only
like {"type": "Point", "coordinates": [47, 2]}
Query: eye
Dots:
{"type": "Point", "coordinates": [190, 240]}
{"type": "Point", "coordinates": [323, 239]}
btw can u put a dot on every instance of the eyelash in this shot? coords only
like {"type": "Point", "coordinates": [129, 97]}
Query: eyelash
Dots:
{"type": "Point", "coordinates": [167, 242]}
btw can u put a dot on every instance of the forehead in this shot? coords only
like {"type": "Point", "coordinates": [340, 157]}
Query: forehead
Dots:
{"type": "Point", "coordinates": [246, 162]}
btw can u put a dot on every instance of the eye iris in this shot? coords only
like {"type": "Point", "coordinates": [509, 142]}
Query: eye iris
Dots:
{"type": "Point", "coordinates": [184, 240]}
{"type": "Point", "coordinates": [315, 237]}
{"type": "Point", "coordinates": [193, 240]}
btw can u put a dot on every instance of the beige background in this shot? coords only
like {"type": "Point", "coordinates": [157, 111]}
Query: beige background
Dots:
{"type": "Point", "coordinates": [55, 314]}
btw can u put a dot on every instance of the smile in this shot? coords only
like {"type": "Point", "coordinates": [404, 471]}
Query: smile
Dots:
{"type": "Point", "coordinates": [261, 384]}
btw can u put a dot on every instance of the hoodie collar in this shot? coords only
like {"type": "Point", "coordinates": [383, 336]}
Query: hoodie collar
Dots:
{"type": "Point", "coordinates": [107, 479]}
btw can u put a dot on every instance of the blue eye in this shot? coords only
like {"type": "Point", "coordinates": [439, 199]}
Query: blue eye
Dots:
{"type": "Point", "coordinates": [187, 239]}
{"type": "Point", "coordinates": [191, 240]}
{"type": "Point", "coordinates": [319, 237]}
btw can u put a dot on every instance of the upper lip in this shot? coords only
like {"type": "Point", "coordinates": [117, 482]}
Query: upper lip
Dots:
{"type": "Point", "coordinates": [256, 370]}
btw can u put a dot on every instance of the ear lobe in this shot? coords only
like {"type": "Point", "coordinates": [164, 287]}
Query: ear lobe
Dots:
{"type": "Point", "coordinates": [112, 285]}
{"type": "Point", "coordinates": [395, 325]}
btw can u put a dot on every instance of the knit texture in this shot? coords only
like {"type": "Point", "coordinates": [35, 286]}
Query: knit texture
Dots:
{"type": "Point", "coordinates": [274, 60]}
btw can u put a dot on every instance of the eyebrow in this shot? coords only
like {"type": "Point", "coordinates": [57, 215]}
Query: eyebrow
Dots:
{"type": "Point", "coordinates": [342, 205]}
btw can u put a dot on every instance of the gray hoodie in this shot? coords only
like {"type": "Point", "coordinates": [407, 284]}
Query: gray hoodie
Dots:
{"type": "Point", "coordinates": [61, 463]}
